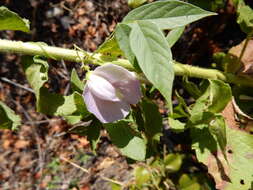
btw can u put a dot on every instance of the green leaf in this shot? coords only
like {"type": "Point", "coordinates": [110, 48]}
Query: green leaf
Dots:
{"type": "Point", "coordinates": [93, 133]}
{"type": "Point", "coordinates": [110, 47]}
{"type": "Point", "coordinates": [152, 118]}
{"type": "Point", "coordinates": [136, 3]}
{"type": "Point", "coordinates": [186, 182]}
{"type": "Point", "coordinates": [181, 110]}
{"type": "Point", "coordinates": [72, 106]}
{"type": "Point", "coordinates": [217, 128]}
{"type": "Point", "coordinates": [212, 5]}
{"type": "Point", "coordinates": [91, 130]}
{"type": "Point", "coordinates": [174, 35]}
{"type": "Point", "coordinates": [141, 175]}
{"type": "Point", "coordinates": [173, 162]}
{"type": "Point", "coordinates": [154, 56]}
{"type": "Point", "coordinates": [11, 21]}
{"type": "Point", "coordinates": [130, 144]}
{"type": "Point", "coordinates": [237, 172]}
{"type": "Point", "coordinates": [59, 105]}
{"type": "Point", "coordinates": [201, 117]}
{"type": "Point", "coordinates": [245, 18]}
{"type": "Point", "coordinates": [36, 70]}
{"type": "Point", "coordinates": [244, 100]}
{"type": "Point", "coordinates": [115, 186]}
{"type": "Point", "coordinates": [191, 88]}
{"type": "Point", "coordinates": [167, 14]}
{"type": "Point", "coordinates": [8, 118]}
{"type": "Point", "coordinates": [76, 83]}
{"type": "Point", "coordinates": [122, 34]}
{"type": "Point", "coordinates": [176, 126]}
{"type": "Point", "coordinates": [211, 100]}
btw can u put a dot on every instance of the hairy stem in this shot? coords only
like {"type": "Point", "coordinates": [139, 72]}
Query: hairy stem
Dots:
{"type": "Point", "coordinates": [32, 48]}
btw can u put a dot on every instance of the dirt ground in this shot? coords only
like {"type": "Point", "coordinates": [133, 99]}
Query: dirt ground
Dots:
{"type": "Point", "coordinates": [42, 154]}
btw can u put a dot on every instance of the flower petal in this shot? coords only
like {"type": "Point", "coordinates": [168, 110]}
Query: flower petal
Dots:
{"type": "Point", "coordinates": [114, 73]}
{"type": "Point", "coordinates": [123, 80]}
{"type": "Point", "coordinates": [102, 88]}
{"type": "Point", "coordinates": [105, 111]}
{"type": "Point", "coordinates": [130, 90]}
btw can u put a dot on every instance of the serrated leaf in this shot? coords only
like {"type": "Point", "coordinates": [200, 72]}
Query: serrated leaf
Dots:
{"type": "Point", "coordinates": [237, 172]}
{"type": "Point", "coordinates": [8, 118]}
{"type": "Point", "coordinates": [76, 83]}
{"type": "Point", "coordinates": [174, 35]}
{"type": "Point", "coordinates": [130, 144]}
{"type": "Point", "coordinates": [11, 21]}
{"type": "Point", "coordinates": [154, 56]}
{"type": "Point", "coordinates": [122, 34]}
{"type": "Point", "coordinates": [167, 14]}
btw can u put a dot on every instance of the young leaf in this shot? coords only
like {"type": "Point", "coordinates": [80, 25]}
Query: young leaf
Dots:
{"type": "Point", "coordinates": [174, 35]}
{"type": "Point", "coordinates": [11, 21]}
{"type": "Point", "coordinates": [154, 56]}
{"type": "Point", "coordinates": [8, 119]}
{"type": "Point", "coordinates": [125, 139]}
{"type": "Point", "coordinates": [76, 83]}
{"type": "Point", "coordinates": [122, 34]}
{"type": "Point", "coordinates": [167, 14]}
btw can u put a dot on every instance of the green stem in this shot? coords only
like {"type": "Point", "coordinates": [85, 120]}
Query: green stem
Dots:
{"type": "Point", "coordinates": [32, 48]}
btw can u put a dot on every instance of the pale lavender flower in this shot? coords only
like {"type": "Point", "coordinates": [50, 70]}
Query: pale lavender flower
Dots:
{"type": "Point", "coordinates": [109, 91]}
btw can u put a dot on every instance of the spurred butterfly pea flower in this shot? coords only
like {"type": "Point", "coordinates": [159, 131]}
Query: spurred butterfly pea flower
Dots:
{"type": "Point", "coordinates": [109, 91]}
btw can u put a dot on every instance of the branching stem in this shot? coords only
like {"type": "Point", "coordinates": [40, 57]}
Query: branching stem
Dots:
{"type": "Point", "coordinates": [33, 48]}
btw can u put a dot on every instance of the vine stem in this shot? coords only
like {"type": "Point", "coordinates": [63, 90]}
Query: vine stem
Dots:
{"type": "Point", "coordinates": [56, 53]}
